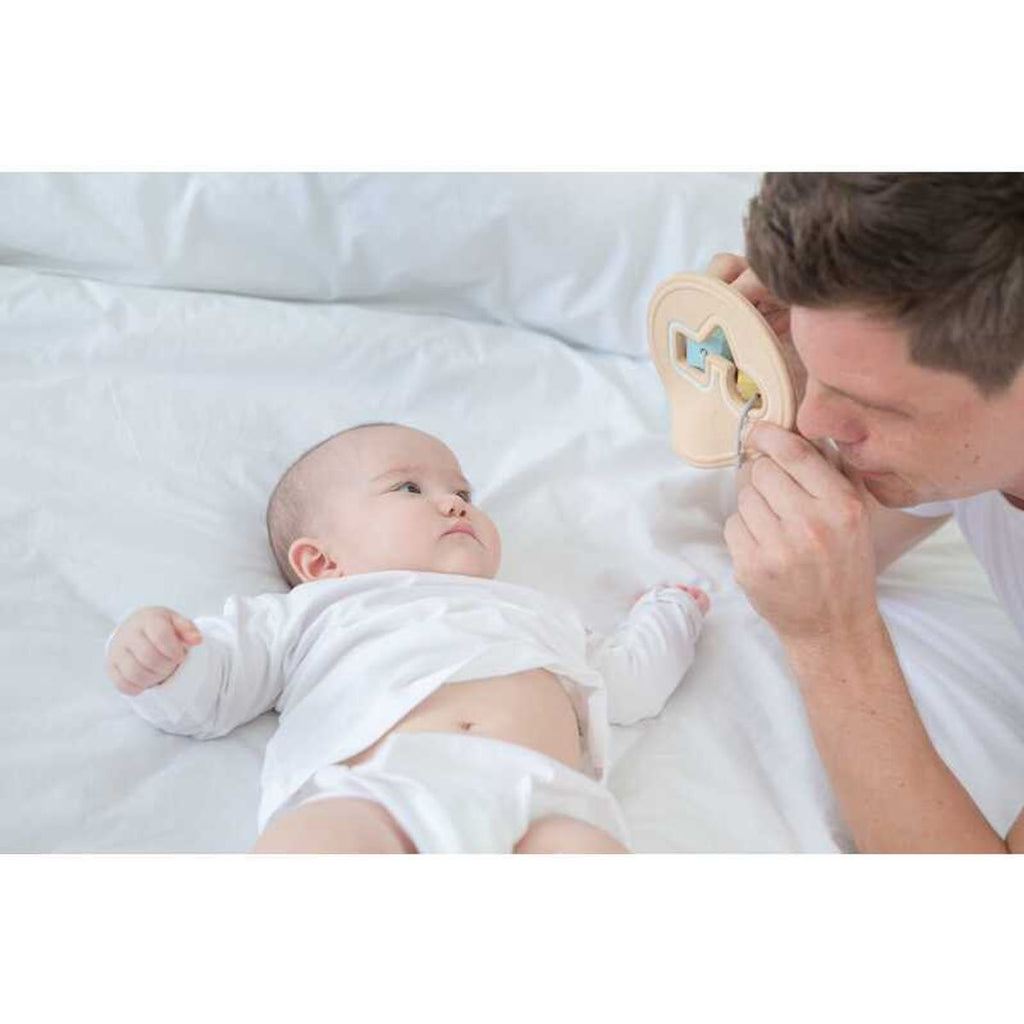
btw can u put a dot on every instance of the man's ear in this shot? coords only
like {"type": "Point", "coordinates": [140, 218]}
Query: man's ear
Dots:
{"type": "Point", "coordinates": [310, 562]}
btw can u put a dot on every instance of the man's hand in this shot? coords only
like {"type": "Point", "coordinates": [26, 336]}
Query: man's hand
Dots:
{"type": "Point", "coordinates": [735, 271]}
{"type": "Point", "coordinates": [148, 647]}
{"type": "Point", "coordinates": [801, 541]}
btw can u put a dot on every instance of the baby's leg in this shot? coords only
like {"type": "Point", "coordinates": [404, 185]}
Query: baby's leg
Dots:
{"type": "Point", "coordinates": [334, 825]}
{"type": "Point", "coordinates": [560, 834]}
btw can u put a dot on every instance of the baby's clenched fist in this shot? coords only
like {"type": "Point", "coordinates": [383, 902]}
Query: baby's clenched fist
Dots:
{"type": "Point", "coordinates": [702, 599]}
{"type": "Point", "coordinates": [147, 648]}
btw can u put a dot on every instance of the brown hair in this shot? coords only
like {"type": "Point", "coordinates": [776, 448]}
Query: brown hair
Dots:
{"type": "Point", "coordinates": [939, 254]}
{"type": "Point", "coordinates": [288, 506]}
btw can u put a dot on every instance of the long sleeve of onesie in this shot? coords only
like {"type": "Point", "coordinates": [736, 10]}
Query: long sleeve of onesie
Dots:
{"type": "Point", "coordinates": [233, 676]}
{"type": "Point", "coordinates": [645, 658]}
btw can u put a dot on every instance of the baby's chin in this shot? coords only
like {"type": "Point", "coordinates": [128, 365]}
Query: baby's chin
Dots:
{"type": "Point", "coordinates": [454, 568]}
{"type": "Point", "coordinates": [461, 565]}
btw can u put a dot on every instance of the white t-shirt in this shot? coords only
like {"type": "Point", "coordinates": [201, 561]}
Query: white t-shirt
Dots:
{"type": "Point", "coordinates": [994, 529]}
{"type": "Point", "coordinates": [344, 660]}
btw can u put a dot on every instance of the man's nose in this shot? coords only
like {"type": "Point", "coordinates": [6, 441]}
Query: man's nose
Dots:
{"type": "Point", "coordinates": [819, 417]}
{"type": "Point", "coordinates": [809, 419]}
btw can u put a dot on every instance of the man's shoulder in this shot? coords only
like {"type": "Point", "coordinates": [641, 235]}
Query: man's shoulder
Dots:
{"type": "Point", "coordinates": [992, 524]}
{"type": "Point", "coordinates": [987, 503]}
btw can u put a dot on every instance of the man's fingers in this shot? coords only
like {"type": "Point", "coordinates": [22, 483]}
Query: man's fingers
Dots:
{"type": "Point", "coordinates": [749, 285]}
{"type": "Point", "coordinates": [757, 514]}
{"type": "Point", "coordinates": [739, 540]}
{"type": "Point", "coordinates": [784, 496]}
{"type": "Point", "coordinates": [735, 271]}
{"type": "Point", "coordinates": [187, 630]}
{"type": "Point", "coordinates": [798, 457]}
{"type": "Point", "coordinates": [743, 550]}
{"type": "Point", "coordinates": [726, 266]}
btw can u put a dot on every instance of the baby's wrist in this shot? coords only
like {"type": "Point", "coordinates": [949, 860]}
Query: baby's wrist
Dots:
{"type": "Point", "coordinates": [681, 593]}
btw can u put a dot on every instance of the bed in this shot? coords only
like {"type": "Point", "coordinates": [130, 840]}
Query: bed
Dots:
{"type": "Point", "coordinates": [170, 342]}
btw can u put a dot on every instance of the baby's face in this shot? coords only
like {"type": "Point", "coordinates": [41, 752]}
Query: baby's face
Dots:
{"type": "Point", "coordinates": [396, 498]}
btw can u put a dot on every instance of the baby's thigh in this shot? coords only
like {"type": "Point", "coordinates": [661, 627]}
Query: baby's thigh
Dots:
{"type": "Point", "coordinates": [334, 825]}
{"type": "Point", "coordinates": [559, 834]}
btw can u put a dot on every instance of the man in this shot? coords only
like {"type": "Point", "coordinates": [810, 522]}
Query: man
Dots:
{"type": "Point", "coordinates": [903, 297]}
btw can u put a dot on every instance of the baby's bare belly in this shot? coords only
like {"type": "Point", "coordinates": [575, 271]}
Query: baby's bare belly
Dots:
{"type": "Point", "coordinates": [529, 708]}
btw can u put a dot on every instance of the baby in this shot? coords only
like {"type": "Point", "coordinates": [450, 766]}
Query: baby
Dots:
{"type": "Point", "coordinates": [424, 706]}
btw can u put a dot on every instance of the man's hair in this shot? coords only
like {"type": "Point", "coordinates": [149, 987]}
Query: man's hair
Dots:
{"type": "Point", "coordinates": [288, 507]}
{"type": "Point", "coordinates": [941, 255]}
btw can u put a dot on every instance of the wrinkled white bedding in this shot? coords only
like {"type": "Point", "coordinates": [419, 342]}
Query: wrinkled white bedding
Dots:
{"type": "Point", "coordinates": [146, 416]}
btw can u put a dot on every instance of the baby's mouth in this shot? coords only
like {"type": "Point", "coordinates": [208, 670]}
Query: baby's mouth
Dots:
{"type": "Point", "coordinates": [461, 528]}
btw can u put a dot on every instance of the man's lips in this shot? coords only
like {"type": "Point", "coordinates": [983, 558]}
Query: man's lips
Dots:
{"type": "Point", "coordinates": [868, 472]}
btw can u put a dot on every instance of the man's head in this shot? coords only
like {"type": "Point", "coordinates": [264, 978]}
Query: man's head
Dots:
{"type": "Point", "coordinates": [375, 497]}
{"type": "Point", "coordinates": [908, 314]}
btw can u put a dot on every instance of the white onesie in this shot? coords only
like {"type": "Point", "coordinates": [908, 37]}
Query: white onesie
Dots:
{"type": "Point", "coordinates": [344, 660]}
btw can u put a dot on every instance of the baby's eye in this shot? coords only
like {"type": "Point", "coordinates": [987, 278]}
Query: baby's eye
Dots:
{"type": "Point", "coordinates": [408, 485]}
{"type": "Point", "coordinates": [466, 496]}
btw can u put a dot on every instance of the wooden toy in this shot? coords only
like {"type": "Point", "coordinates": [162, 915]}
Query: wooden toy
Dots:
{"type": "Point", "coordinates": [720, 365]}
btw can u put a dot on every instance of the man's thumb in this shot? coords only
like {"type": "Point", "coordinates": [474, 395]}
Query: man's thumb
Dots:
{"type": "Point", "coordinates": [855, 478]}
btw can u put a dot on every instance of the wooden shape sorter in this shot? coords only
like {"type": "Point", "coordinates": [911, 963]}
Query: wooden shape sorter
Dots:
{"type": "Point", "coordinates": [720, 365]}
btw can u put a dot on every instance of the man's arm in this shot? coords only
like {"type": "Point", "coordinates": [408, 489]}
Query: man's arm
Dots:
{"type": "Point", "coordinates": [1015, 840]}
{"type": "Point", "coordinates": [896, 793]}
{"type": "Point", "coordinates": [803, 549]}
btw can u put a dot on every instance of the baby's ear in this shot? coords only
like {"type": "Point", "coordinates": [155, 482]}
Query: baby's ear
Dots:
{"type": "Point", "coordinates": [310, 562]}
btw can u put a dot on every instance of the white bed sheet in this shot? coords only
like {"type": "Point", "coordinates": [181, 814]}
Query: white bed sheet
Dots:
{"type": "Point", "coordinates": [143, 429]}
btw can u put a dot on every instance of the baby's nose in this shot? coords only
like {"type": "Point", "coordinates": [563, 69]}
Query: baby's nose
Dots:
{"type": "Point", "coordinates": [453, 505]}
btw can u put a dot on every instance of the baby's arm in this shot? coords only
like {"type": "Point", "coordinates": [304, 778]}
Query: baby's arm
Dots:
{"type": "Point", "coordinates": [200, 679]}
{"type": "Point", "coordinates": [645, 658]}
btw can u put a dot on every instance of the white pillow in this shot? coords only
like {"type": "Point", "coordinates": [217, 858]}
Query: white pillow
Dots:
{"type": "Point", "coordinates": [573, 255]}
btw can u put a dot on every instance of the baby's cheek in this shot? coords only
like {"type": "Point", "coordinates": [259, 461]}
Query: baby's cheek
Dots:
{"type": "Point", "coordinates": [494, 548]}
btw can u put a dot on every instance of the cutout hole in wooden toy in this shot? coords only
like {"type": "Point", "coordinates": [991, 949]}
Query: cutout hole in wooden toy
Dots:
{"type": "Point", "coordinates": [745, 388]}
{"type": "Point", "coordinates": [689, 351]}
{"type": "Point", "coordinates": [677, 347]}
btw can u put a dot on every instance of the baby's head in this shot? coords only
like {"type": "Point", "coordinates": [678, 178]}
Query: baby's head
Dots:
{"type": "Point", "coordinates": [375, 497]}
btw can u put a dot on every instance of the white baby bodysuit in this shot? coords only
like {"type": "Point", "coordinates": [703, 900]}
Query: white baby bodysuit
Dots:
{"type": "Point", "coordinates": [344, 660]}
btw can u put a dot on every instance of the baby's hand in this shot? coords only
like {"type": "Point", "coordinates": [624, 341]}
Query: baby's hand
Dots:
{"type": "Point", "coordinates": [148, 647]}
{"type": "Point", "coordinates": [702, 599]}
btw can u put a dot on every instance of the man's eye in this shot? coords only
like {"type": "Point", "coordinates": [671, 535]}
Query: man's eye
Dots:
{"type": "Point", "coordinates": [409, 486]}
